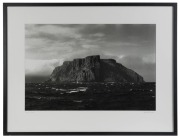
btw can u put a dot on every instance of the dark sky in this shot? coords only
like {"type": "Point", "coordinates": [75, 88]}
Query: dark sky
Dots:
{"type": "Point", "coordinates": [49, 45]}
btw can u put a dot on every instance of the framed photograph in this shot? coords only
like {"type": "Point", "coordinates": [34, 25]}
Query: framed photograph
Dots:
{"type": "Point", "coordinates": [90, 68]}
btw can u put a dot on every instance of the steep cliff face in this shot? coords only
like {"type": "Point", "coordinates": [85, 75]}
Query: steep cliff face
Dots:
{"type": "Point", "coordinates": [93, 69]}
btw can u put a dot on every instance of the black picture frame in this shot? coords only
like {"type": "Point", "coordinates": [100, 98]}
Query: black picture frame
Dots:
{"type": "Point", "coordinates": [5, 67]}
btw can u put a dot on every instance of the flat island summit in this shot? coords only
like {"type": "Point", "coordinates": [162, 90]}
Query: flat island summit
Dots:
{"type": "Point", "coordinates": [93, 69]}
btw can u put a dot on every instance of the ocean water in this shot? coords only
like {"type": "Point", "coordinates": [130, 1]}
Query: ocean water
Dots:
{"type": "Point", "coordinates": [90, 96]}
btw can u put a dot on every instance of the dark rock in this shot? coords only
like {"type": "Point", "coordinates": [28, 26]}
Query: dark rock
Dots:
{"type": "Point", "coordinates": [93, 69]}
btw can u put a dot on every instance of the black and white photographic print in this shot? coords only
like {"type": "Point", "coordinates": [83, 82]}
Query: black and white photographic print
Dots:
{"type": "Point", "coordinates": [90, 67]}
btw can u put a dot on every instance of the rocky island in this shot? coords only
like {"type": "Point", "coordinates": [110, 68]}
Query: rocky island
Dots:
{"type": "Point", "coordinates": [93, 69]}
